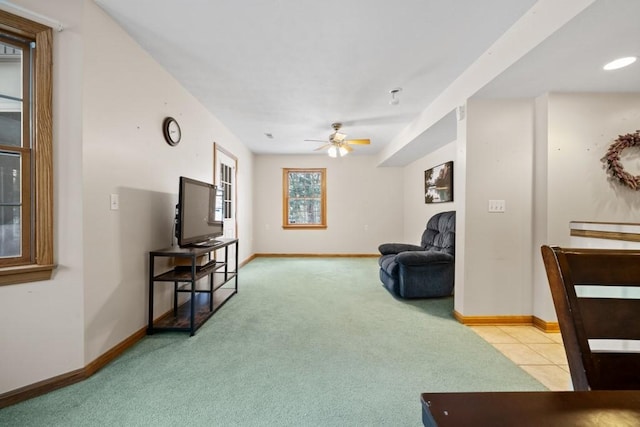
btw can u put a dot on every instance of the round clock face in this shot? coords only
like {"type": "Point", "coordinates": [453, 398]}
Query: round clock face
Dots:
{"type": "Point", "coordinates": [171, 131]}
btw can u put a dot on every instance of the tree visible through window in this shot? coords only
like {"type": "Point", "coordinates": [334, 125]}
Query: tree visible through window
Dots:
{"type": "Point", "coordinates": [304, 198]}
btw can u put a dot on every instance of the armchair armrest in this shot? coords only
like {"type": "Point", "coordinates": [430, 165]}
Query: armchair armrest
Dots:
{"type": "Point", "coordinates": [417, 258]}
{"type": "Point", "coordinates": [396, 248]}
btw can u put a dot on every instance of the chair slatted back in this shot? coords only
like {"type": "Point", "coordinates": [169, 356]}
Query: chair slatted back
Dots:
{"type": "Point", "coordinates": [596, 294]}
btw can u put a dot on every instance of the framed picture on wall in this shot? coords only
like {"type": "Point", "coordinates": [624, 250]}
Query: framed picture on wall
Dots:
{"type": "Point", "coordinates": [438, 183]}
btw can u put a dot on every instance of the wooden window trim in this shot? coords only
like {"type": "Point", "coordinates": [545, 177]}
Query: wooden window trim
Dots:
{"type": "Point", "coordinates": [41, 267]}
{"type": "Point", "coordinates": [285, 200]}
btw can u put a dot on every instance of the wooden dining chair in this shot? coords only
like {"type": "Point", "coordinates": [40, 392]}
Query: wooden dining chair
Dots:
{"type": "Point", "coordinates": [596, 294]}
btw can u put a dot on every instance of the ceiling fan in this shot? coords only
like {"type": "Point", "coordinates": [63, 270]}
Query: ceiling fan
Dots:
{"type": "Point", "coordinates": [338, 144]}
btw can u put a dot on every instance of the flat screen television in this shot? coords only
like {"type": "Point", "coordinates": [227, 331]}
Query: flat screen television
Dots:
{"type": "Point", "coordinates": [198, 213]}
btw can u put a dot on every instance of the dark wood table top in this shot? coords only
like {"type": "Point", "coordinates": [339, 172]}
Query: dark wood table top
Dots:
{"type": "Point", "coordinates": [541, 408]}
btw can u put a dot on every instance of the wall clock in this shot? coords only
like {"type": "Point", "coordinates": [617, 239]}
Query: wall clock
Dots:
{"type": "Point", "coordinates": [171, 130]}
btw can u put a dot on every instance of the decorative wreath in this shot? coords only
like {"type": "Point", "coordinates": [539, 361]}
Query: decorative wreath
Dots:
{"type": "Point", "coordinates": [612, 160]}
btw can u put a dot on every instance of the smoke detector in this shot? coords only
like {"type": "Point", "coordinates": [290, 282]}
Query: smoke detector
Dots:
{"type": "Point", "coordinates": [395, 100]}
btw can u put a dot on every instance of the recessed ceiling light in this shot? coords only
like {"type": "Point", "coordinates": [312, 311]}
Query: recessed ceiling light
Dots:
{"type": "Point", "coordinates": [619, 63]}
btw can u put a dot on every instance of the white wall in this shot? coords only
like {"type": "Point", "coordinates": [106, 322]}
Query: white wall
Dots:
{"type": "Point", "coordinates": [416, 211]}
{"type": "Point", "coordinates": [110, 99]}
{"type": "Point", "coordinates": [543, 158]}
{"type": "Point", "coordinates": [542, 303]}
{"type": "Point", "coordinates": [581, 127]}
{"type": "Point", "coordinates": [497, 246]}
{"type": "Point", "coordinates": [364, 206]}
{"type": "Point", "coordinates": [126, 97]}
{"type": "Point", "coordinates": [43, 322]}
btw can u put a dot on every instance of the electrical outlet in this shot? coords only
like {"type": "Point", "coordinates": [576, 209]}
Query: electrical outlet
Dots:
{"type": "Point", "coordinates": [496, 206]}
{"type": "Point", "coordinates": [115, 202]}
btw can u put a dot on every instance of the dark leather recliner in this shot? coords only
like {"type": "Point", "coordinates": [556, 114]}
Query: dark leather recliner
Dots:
{"type": "Point", "coordinates": [428, 270]}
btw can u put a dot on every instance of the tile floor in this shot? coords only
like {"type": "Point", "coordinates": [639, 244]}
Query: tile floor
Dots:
{"type": "Point", "coordinates": [539, 353]}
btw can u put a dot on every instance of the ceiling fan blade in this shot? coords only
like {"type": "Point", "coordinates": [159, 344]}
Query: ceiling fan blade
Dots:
{"type": "Point", "coordinates": [316, 140]}
{"type": "Point", "coordinates": [358, 141]}
{"type": "Point", "coordinates": [346, 147]}
{"type": "Point", "coordinates": [323, 147]}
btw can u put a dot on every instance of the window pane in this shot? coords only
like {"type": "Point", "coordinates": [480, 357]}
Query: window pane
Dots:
{"type": "Point", "coordinates": [9, 178]}
{"type": "Point", "coordinates": [10, 128]}
{"type": "Point", "coordinates": [10, 231]}
{"type": "Point", "coordinates": [10, 71]}
{"type": "Point", "coordinates": [10, 210]}
{"type": "Point", "coordinates": [305, 184]}
{"type": "Point", "coordinates": [10, 95]}
{"type": "Point", "coordinates": [304, 211]}
{"type": "Point", "coordinates": [227, 185]}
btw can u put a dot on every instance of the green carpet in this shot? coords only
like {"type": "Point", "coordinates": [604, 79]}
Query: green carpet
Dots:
{"type": "Point", "coordinates": [305, 342]}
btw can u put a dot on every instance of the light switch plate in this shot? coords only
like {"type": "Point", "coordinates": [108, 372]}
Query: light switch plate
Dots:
{"type": "Point", "coordinates": [115, 202]}
{"type": "Point", "coordinates": [496, 206]}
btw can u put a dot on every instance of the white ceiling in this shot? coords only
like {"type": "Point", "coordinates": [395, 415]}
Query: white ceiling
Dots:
{"type": "Point", "coordinates": [291, 68]}
{"type": "Point", "coordinates": [571, 59]}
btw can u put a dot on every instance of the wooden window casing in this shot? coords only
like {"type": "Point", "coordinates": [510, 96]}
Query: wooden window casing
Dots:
{"type": "Point", "coordinates": [38, 158]}
{"type": "Point", "coordinates": [316, 202]}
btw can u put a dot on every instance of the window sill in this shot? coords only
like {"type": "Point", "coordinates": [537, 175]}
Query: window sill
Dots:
{"type": "Point", "coordinates": [25, 273]}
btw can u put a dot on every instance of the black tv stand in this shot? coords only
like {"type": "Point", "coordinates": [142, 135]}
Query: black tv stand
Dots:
{"type": "Point", "coordinates": [205, 244]}
{"type": "Point", "coordinates": [198, 267]}
{"type": "Point", "coordinates": [203, 301]}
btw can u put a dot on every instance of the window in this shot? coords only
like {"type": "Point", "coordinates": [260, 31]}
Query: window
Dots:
{"type": "Point", "coordinates": [15, 151]}
{"type": "Point", "coordinates": [226, 183]}
{"type": "Point", "coordinates": [304, 198]}
{"type": "Point", "coordinates": [26, 190]}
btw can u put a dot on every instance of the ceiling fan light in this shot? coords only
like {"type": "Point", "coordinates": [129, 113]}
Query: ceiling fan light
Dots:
{"type": "Point", "coordinates": [343, 151]}
{"type": "Point", "coordinates": [333, 151]}
{"type": "Point", "coordinates": [339, 137]}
